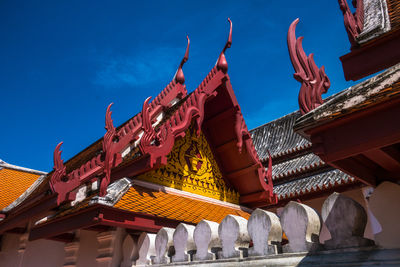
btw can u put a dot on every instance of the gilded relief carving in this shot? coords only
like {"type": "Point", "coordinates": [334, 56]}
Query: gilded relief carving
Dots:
{"type": "Point", "coordinates": [191, 167]}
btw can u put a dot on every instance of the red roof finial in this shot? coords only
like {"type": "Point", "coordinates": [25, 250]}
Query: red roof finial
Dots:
{"type": "Point", "coordinates": [353, 22]}
{"type": "Point", "coordinates": [314, 81]}
{"type": "Point", "coordinates": [222, 64]}
{"type": "Point", "coordinates": [59, 168]}
{"type": "Point", "coordinates": [179, 77]}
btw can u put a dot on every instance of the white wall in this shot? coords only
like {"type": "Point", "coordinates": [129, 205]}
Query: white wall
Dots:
{"type": "Point", "coordinates": [87, 249]}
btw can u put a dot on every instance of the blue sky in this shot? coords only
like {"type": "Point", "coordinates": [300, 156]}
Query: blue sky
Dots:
{"type": "Point", "coordinates": [63, 62]}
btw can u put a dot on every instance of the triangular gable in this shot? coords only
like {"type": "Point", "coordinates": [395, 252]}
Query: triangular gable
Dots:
{"type": "Point", "coordinates": [191, 167]}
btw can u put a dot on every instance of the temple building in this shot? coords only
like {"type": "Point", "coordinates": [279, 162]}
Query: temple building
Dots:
{"type": "Point", "coordinates": [173, 183]}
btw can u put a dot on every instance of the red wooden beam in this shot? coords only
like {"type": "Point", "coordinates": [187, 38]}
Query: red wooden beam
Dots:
{"type": "Point", "coordinates": [24, 215]}
{"type": "Point", "coordinates": [357, 170]}
{"type": "Point", "coordinates": [358, 132]}
{"type": "Point", "coordinates": [373, 57]}
{"type": "Point", "coordinates": [383, 159]}
{"type": "Point", "coordinates": [99, 215]}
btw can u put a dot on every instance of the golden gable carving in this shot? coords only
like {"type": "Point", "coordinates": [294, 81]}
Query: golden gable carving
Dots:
{"type": "Point", "coordinates": [191, 167]}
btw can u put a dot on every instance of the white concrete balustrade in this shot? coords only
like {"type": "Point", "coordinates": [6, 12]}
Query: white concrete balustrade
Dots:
{"type": "Point", "coordinates": [207, 240]}
{"type": "Point", "coordinates": [164, 245]}
{"type": "Point", "coordinates": [236, 238]}
{"type": "Point", "coordinates": [183, 243]}
{"type": "Point", "coordinates": [265, 231]}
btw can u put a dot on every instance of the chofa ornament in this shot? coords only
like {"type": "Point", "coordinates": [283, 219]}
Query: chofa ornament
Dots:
{"type": "Point", "coordinates": [314, 81]}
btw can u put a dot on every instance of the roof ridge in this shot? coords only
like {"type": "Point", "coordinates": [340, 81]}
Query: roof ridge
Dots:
{"type": "Point", "coordinates": [6, 165]}
{"type": "Point", "coordinates": [178, 192]}
{"type": "Point", "coordinates": [284, 116]}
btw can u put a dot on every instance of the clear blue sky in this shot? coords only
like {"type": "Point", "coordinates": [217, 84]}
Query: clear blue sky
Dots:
{"type": "Point", "coordinates": [63, 62]}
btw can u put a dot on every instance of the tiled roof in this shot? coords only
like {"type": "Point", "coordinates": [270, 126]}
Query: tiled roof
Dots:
{"type": "Point", "coordinates": [316, 183]}
{"type": "Point", "coordinates": [296, 170]}
{"type": "Point", "coordinates": [394, 13]}
{"type": "Point", "coordinates": [296, 165]}
{"type": "Point", "coordinates": [378, 89]}
{"type": "Point", "coordinates": [172, 206]}
{"type": "Point", "coordinates": [13, 183]}
{"type": "Point", "coordinates": [278, 137]}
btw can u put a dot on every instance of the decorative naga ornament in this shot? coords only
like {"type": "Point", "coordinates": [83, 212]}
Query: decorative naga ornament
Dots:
{"type": "Point", "coordinates": [314, 81]}
{"type": "Point", "coordinates": [59, 173]}
{"type": "Point", "coordinates": [222, 64]}
{"type": "Point", "coordinates": [110, 153]}
{"type": "Point", "coordinates": [353, 22]}
{"type": "Point", "coordinates": [156, 145]}
{"type": "Point", "coordinates": [179, 77]}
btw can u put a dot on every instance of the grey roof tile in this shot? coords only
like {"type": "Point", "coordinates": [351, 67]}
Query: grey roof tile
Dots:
{"type": "Point", "coordinates": [296, 165]}
{"type": "Point", "coordinates": [277, 137]}
{"type": "Point", "coordinates": [318, 182]}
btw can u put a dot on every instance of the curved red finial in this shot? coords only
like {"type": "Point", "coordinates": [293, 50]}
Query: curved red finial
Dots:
{"type": "Point", "coordinates": [222, 64]}
{"type": "Point", "coordinates": [179, 77]}
{"type": "Point", "coordinates": [59, 168]}
{"type": "Point", "coordinates": [314, 81]}
{"type": "Point", "coordinates": [149, 133]}
{"type": "Point", "coordinates": [58, 162]}
{"type": "Point", "coordinates": [109, 123]}
{"type": "Point", "coordinates": [108, 150]}
{"type": "Point", "coordinates": [354, 23]}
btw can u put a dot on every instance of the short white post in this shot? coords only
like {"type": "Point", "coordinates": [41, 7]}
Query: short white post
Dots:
{"type": "Point", "coordinates": [234, 237]}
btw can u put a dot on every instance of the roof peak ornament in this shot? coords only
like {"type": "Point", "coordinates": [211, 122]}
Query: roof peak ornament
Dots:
{"type": "Point", "coordinates": [314, 81]}
{"type": "Point", "coordinates": [59, 174]}
{"type": "Point", "coordinates": [353, 22]}
{"type": "Point", "coordinates": [179, 77]}
{"type": "Point", "coordinates": [222, 64]}
{"type": "Point", "coordinates": [110, 159]}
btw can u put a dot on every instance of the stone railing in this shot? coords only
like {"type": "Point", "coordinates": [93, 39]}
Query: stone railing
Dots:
{"type": "Point", "coordinates": [258, 241]}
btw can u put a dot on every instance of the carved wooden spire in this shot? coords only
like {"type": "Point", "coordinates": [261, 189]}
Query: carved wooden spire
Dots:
{"type": "Point", "coordinates": [179, 77]}
{"type": "Point", "coordinates": [108, 150]}
{"type": "Point", "coordinates": [354, 23]}
{"type": "Point", "coordinates": [59, 168]}
{"type": "Point", "coordinates": [314, 81]}
{"type": "Point", "coordinates": [222, 64]}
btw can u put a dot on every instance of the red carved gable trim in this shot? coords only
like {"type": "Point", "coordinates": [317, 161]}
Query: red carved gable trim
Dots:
{"type": "Point", "coordinates": [155, 144]}
{"type": "Point", "coordinates": [113, 144]}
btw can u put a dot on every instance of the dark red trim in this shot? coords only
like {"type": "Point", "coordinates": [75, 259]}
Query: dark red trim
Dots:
{"type": "Point", "coordinates": [364, 144]}
{"type": "Point", "coordinates": [360, 131]}
{"type": "Point", "coordinates": [21, 217]}
{"type": "Point", "coordinates": [375, 56]}
{"type": "Point", "coordinates": [99, 216]}
{"type": "Point", "coordinates": [65, 237]}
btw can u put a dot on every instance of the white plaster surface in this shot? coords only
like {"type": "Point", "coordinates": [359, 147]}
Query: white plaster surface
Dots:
{"type": "Point", "coordinates": [234, 236]}
{"type": "Point", "coordinates": [207, 240]}
{"type": "Point", "coordinates": [264, 227]}
{"type": "Point", "coordinates": [183, 242]}
{"type": "Point", "coordinates": [147, 249]}
{"type": "Point", "coordinates": [88, 248]}
{"type": "Point", "coordinates": [346, 220]}
{"type": "Point", "coordinates": [385, 205]}
{"type": "Point", "coordinates": [302, 226]}
{"type": "Point", "coordinates": [164, 241]}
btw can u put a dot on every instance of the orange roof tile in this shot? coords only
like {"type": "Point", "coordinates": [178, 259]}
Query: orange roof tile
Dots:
{"type": "Point", "coordinates": [176, 207]}
{"type": "Point", "coordinates": [394, 13]}
{"type": "Point", "coordinates": [13, 183]}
